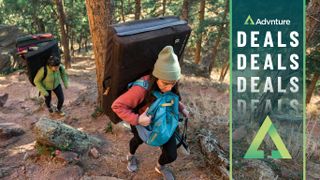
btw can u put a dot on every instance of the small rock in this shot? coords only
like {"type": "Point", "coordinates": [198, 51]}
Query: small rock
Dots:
{"type": "Point", "coordinates": [8, 130]}
{"type": "Point", "coordinates": [3, 99]}
{"type": "Point", "coordinates": [4, 172]}
{"type": "Point", "coordinates": [31, 169]}
{"type": "Point", "coordinates": [30, 155]}
{"type": "Point", "coordinates": [67, 157]}
{"type": "Point", "coordinates": [94, 153]}
{"type": "Point", "coordinates": [70, 173]}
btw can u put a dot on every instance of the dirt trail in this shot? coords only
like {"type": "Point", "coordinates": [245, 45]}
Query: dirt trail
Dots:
{"type": "Point", "coordinates": [24, 108]}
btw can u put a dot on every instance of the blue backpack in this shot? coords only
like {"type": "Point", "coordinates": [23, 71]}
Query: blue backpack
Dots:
{"type": "Point", "coordinates": [165, 117]}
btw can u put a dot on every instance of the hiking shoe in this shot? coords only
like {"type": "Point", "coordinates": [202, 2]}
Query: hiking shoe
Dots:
{"type": "Point", "coordinates": [50, 110]}
{"type": "Point", "coordinates": [165, 172]}
{"type": "Point", "coordinates": [132, 163]}
{"type": "Point", "coordinates": [61, 113]}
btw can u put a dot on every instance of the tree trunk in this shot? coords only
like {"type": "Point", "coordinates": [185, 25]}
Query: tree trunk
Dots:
{"type": "Point", "coordinates": [79, 44]}
{"type": "Point", "coordinates": [185, 10]}
{"type": "Point", "coordinates": [137, 10]}
{"type": "Point", "coordinates": [312, 25]}
{"type": "Point", "coordinates": [218, 39]}
{"type": "Point", "coordinates": [37, 22]}
{"type": "Point", "coordinates": [99, 17]}
{"type": "Point", "coordinates": [199, 41]}
{"type": "Point", "coordinates": [224, 69]}
{"type": "Point", "coordinates": [185, 16]}
{"type": "Point", "coordinates": [164, 4]}
{"type": "Point", "coordinates": [86, 45]}
{"type": "Point", "coordinates": [72, 43]}
{"type": "Point", "coordinates": [122, 11]}
{"type": "Point", "coordinates": [64, 38]}
{"type": "Point", "coordinates": [311, 87]}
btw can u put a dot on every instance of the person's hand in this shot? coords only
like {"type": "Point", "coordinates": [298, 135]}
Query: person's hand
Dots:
{"type": "Point", "coordinates": [186, 113]}
{"type": "Point", "coordinates": [144, 119]}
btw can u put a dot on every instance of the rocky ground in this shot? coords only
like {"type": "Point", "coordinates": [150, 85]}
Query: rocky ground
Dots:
{"type": "Point", "coordinates": [20, 158]}
{"type": "Point", "coordinates": [208, 101]}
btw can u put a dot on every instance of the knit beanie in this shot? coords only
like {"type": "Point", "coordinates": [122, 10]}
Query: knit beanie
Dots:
{"type": "Point", "coordinates": [167, 65]}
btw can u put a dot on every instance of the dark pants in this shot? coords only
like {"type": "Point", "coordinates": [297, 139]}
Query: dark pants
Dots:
{"type": "Point", "coordinates": [59, 93]}
{"type": "Point", "coordinates": [169, 149]}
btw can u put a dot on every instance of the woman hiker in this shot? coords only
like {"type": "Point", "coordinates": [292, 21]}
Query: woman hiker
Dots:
{"type": "Point", "coordinates": [51, 82]}
{"type": "Point", "coordinates": [164, 78]}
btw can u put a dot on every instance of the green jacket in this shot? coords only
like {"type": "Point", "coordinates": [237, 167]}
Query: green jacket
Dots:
{"type": "Point", "coordinates": [51, 81]}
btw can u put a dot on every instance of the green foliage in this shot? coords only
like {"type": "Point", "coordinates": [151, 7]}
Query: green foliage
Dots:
{"type": "Point", "coordinates": [38, 16]}
{"type": "Point", "coordinates": [108, 128]}
{"type": "Point", "coordinates": [45, 150]}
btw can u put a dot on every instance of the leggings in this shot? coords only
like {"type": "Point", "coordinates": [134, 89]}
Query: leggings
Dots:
{"type": "Point", "coordinates": [169, 149]}
{"type": "Point", "coordinates": [59, 93]}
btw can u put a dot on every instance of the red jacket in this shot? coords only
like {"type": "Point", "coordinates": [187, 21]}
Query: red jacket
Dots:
{"type": "Point", "coordinates": [124, 105]}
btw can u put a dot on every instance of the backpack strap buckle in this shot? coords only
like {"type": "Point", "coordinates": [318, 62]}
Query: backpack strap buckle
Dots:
{"type": "Point", "coordinates": [168, 104]}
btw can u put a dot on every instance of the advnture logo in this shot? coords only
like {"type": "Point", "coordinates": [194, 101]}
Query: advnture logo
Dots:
{"type": "Point", "coordinates": [249, 21]}
{"type": "Point", "coordinates": [266, 22]}
{"type": "Point", "coordinates": [267, 127]}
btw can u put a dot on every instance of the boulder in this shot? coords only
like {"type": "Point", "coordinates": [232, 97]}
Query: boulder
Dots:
{"type": "Point", "coordinates": [64, 137]}
{"type": "Point", "coordinates": [214, 153]}
{"type": "Point", "coordinates": [5, 62]}
{"type": "Point", "coordinates": [8, 57]}
{"type": "Point", "coordinates": [8, 130]}
{"type": "Point", "coordinates": [8, 36]}
{"type": "Point", "coordinates": [70, 173]}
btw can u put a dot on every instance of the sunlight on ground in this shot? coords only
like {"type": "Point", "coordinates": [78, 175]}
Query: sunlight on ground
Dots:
{"type": "Point", "coordinates": [215, 75]}
{"type": "Point", "coordinates": [22, 148]}
{"type": "Point", "coordinates": [313, 108]}
{"type": "Point", "coordinates": [191, 79]}
{"type": "Point", "coordinates": [78, 71]}
{"type": "Point", "coordinates": [4, 85]}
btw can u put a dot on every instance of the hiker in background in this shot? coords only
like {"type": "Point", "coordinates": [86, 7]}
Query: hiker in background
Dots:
{"type": "Point", "coordinates": [50, 81]}
{"type": "Point", "coordinates": [133, 106]}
